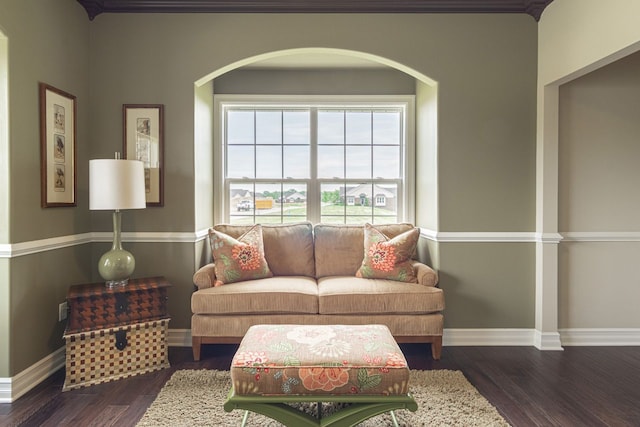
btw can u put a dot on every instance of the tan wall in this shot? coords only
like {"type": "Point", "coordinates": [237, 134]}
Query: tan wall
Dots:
{"type": "Point", "coordinates": [39, 282]}
{"type": "Point", "coordinates": [488, 285]}
{"type": "Point", "coordinates": [48, 41]}
{"type": "Point", "coordinates": [485, 67]}
{"type": "Point", "coordinates": [598, 193]}
{"type": "Point", "coordinates": [316, 82]}
{"type": "Point", "coordinates": [600, 148]}
{"type": "Point", "coordinates": [598, 285]}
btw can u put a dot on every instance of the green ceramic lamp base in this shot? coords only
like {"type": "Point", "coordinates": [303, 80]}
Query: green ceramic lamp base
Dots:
{"type": "Point", "coordinates": [117, 265]}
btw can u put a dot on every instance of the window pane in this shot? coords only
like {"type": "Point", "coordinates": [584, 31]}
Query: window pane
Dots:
{"type": "Point", "coordinates": [332, 200]}
{"type": "Point", "coordinates": [330, 127]}
{"type": "Point", "coordinates": [385, 203]}
{"type": "Point", "coordinates": [330, 161]}
{"type": "Point", "coordinates": [359, 201]}
{"type": "Point", "coordinates": [239, 127]}
{"type": "Point", "coordinates": [296, 127]}
{"type": "Point", "coordinates": [386, 162]}
{"type": "Point", "coordinates": [296, 161]}
{"type": "Point", "coordinates": [240, 162]}
{"type": "Point", "coordinates": [241, 203]}
{"type": "Point", "coordinates": [268, 161]}
{"type": "Point", "coordinates": [267, 196]}
{"type": "Point", "coordinates": [358, 127]}
{"type": "Point", "coordinates": [358, 162]}
{"type": "Point", "coordinates": [268, 127]}
{"type": "Point", "coordinates": [294, 202]}
{"type": "Point", "coordinates": [386, 127]}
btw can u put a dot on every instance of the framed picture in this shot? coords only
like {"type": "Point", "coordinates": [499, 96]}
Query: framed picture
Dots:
{"type": "Point", "coordinates": [57, 147]}
{"type": "Point", "coordinates": [143, 135]}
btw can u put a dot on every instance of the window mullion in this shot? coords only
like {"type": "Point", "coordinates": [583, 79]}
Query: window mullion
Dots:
{"type": "Point", "coordinates": [314, 201]}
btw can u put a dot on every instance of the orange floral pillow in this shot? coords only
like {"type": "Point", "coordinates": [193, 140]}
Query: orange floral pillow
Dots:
{"type": "Point", "coordinates": [386, 258]}
{"type": "Point", "coordinates": [241, 259]}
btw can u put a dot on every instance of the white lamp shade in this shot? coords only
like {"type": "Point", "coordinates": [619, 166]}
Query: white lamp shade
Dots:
{"type": "Point", "coordinates": [116, 184]}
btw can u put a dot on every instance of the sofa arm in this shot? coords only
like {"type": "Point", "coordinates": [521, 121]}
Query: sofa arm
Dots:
{"type": "Point", "coordinates": [205, 277]}
{"type": "Point", "coordinates": [425, 274]}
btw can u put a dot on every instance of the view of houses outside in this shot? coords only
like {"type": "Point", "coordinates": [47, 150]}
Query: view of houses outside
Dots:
{"type": "Point", "coordinates": [340, 204]}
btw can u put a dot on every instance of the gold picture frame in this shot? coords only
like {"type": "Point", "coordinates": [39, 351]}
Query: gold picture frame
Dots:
{"type": "Point", "coordinates": [143, 139]}
{"type": "Point", "coordinates": [57, 147]}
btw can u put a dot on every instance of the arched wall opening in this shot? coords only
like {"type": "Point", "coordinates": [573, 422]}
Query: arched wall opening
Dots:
{"type": "Point", "coordinates": [572, 235]}
{"type": "Point", "coordinates": [426, 95]}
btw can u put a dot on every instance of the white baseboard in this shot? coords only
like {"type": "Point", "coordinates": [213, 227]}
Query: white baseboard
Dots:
{"type": "Point", "coordinates": [14, 387]}
{"type": "Point", "coordinates": [547, 341]}
{"type": "Point", "coordinates": [487, 337]}
{"type": "Point", "coordinates": [600, 337]}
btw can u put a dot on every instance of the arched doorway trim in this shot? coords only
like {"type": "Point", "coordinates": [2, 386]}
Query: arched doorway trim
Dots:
{"type": "Point", "coordinates": [311, 50]}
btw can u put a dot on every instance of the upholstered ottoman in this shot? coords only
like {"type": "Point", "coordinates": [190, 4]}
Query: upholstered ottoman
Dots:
{"type": "Point", "coordinates": [280, 364]}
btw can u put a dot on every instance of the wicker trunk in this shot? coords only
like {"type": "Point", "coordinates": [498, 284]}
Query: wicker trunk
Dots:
{"type": "Point", "coordinates": [115, 333]}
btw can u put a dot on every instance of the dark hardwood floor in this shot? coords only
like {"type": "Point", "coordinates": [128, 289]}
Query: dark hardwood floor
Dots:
{"type": "Point", "coordinates": [581, 386]}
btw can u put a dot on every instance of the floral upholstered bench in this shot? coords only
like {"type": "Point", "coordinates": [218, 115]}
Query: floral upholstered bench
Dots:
{"type": "Point", "coordinates": [277, 365]}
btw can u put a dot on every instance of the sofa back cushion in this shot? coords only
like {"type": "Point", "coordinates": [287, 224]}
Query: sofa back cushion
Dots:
{"type": "Point", "coordinates": [288, 248]}
{"type": "Point", "coordinates": [339, 249]}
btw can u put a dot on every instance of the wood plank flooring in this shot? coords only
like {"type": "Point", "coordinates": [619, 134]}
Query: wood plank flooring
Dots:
{"type": "Point", "coordinates": [581, 386]}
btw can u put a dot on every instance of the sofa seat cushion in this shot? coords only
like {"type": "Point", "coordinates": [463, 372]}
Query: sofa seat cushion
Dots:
{"type": "Point", "coordinates": [286, 294]}
{"type": "Point", "coordinates": [288, 248]}
{"type": "Point", "coordinates": [353, 295]}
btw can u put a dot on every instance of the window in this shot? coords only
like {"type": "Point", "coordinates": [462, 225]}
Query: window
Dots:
{"type": "Point", "coordinates": [290, 159]}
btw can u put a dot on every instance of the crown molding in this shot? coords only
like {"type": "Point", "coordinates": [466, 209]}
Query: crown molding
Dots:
{"type": "Point", "coordinates": [530, 7]}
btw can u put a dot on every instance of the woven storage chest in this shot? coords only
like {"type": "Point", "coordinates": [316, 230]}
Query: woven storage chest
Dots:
{"type": "Point", "coordinates": [103, 355]}
{"type": "Point", "coordinates": [117, 332]}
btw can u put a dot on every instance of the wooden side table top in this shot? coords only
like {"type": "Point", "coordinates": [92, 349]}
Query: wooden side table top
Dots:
{"type": "Point", "coordinates": [94, 306]}
{"type": "Point", "coordinates": [99, 288]}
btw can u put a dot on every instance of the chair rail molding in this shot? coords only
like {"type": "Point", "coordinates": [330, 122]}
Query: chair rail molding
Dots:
{"type": "Point", "coordinates": [12, 250]}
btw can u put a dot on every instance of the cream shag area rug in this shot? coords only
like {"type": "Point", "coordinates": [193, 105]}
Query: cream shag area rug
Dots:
{"type": "Point", "coordinates": [195, 398]}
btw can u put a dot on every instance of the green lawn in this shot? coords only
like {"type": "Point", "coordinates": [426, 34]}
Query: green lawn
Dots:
{"type": "Point", "coordinates": [330, 214]}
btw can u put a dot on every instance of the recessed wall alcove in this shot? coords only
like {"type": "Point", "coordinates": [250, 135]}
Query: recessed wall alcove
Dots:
{"type": "Point", "coordinates": [309, 68]}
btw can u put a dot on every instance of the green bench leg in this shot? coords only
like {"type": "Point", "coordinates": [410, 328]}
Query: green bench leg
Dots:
{"type": "Point", "coordinates": [362, 408]}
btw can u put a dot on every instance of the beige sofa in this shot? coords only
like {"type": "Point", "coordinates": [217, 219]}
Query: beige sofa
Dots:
{"type": "Point", "coordinates": [314, 283]}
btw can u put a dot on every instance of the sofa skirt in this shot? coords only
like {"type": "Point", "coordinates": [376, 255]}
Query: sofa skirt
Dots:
{"type": "Point", "coordinates": [237, 325]}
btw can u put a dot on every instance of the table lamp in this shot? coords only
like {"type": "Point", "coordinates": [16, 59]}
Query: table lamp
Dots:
{"type": "Point", "coordinates": [116, 184]}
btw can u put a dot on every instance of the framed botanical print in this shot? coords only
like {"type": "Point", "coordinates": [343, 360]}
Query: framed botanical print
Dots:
{"type": "Point", "coordinates": [143, 139]}
{"type": "Point", "coordinates": [57, 147]}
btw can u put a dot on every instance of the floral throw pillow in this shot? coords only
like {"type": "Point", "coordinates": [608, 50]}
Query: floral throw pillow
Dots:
{"type": "Point", "coordinates": [241, 259]}
{"type": "Point", "coordinates": [386, 258]}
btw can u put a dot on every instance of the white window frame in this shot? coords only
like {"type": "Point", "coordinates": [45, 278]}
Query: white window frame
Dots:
{"type": "Point", "coordinates": [406, 201]}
